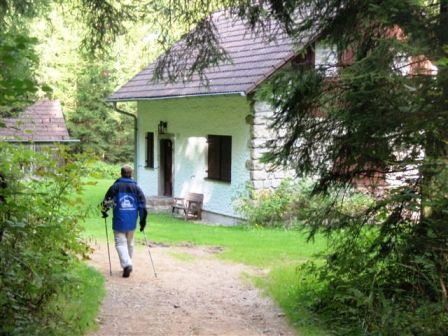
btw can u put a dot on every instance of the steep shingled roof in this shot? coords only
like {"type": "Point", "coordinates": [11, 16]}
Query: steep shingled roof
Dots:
{"type": "Point", "coordinates": [254, 59]}
{"type": "Point", "coordinates": [41, 122]}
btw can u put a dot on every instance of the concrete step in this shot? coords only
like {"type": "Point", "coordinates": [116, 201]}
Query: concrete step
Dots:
{"type": "Point", "coordinates": [159, 203]}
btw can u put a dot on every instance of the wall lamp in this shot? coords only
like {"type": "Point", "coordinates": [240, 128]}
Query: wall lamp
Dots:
{"type": "Point", "coordinates": [163, 127]}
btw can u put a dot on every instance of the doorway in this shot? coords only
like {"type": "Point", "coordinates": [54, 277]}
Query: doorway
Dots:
{"type": "Point", "coordinates": [166, 167]}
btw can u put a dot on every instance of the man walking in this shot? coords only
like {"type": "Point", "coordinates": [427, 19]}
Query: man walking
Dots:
{"type": "Point", "coordinates": [128, 202]}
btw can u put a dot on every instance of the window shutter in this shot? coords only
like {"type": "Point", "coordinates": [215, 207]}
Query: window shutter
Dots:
{"type": "Point", "coordinates": [213, 157]}
{"type": "Point", "coordinates": [219, 157]}
{"type": "Point", "coordinates": [150, 150]}
{"type": "Point", "coordinates": [226, 158]}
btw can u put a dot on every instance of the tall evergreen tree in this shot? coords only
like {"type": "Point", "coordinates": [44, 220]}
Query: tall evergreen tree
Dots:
{"type": "Point", "coordinates": [59, 54]}
{"type": "Point", "coordinates": [387, 112]}
{"type": "Point", "coordinates": [103, 21]}
{"type": "Point", "coordinates": [94, 122]}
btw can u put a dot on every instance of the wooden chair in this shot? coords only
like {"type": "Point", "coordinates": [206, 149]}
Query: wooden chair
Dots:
{"type": "Point", "coordinates": [190, 205]}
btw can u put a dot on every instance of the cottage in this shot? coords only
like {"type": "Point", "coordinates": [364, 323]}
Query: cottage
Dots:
{"type": "Point", "coordinates": [208, 137]}
{"type": "Point", "coordinates": [40, 124]}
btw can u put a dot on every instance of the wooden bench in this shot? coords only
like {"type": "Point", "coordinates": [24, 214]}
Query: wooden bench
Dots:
{"type": "Point", "coordinates": [190, 205]}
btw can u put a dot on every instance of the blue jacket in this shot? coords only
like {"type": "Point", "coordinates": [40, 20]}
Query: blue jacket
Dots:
{"type": "Point", "coordinates": [128, 202]}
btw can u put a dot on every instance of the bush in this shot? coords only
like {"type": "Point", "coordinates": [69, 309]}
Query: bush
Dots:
{"type": "Point", "coordinates": [104, 170]}
{"type": "Point", "coordinates": [361, 294]}
{"type": "Point", "coordinates": [389, 278]}
{"type": "Point", "coordinates": [385, 272]}
{"type": "Point", "coordinates": [267, 207]}
{"type": "Point", "coordinates": [292, 204]}
{"type": "Point", "coordinates": [384, 279]}
{"type": "Point", "coordinates": [39, 237]}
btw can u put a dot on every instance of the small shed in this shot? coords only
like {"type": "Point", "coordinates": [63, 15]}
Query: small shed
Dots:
{"type": "Point", "coordinates": [38, 125]}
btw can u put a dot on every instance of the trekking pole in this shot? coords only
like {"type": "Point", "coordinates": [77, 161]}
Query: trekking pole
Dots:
{"type": "Point", "coordinates": [108, 251]}
{"type": "Point", "coordinates": [150, 257]}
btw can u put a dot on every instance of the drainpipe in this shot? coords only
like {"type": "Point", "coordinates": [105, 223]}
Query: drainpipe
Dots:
{"type": "Point", "coordinates": [135, 134]}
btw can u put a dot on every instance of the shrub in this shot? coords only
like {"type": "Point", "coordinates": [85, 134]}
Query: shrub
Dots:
{"type": "Point", "coordinates": [39, 237]}
{"type": "Point", "coordinates": [360, 293]}
{"type": "Point", "coordinates": [376, 282]}
{"type": "Point", "coordinates": [272, 207]}
{"type": "Point", "coordinates": [292, 204]}
{"type": "Point", "coordinates": [104, 170]}
{"type": "Point", "coordinates": [389, 278]}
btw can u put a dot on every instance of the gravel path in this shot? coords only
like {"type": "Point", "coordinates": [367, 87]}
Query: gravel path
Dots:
{"type": "Point", "coordinates": [194, 294]}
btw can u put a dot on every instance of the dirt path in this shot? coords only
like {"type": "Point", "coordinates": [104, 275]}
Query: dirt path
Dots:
{"type": "Point", "coordinates": [194, 294]}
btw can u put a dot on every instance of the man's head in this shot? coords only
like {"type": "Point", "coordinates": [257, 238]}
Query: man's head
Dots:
{"type": "Point", "coordinates": [126, 171]}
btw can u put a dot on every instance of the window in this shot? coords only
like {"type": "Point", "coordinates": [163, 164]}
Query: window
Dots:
{"type": "Point", "coordinates": [305, 59]}
{"type": "Point", "coordinates": [150, 150]}
{"type": "Point", "coordinates": [326, 59]}
{"type": "Point", "coordinates": [219, 157]}
{"type": "Point", "coordinates": [319, 56]}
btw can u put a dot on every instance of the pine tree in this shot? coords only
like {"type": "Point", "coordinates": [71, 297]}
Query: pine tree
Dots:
{"type": "Point", "coordinates": [386, 113]}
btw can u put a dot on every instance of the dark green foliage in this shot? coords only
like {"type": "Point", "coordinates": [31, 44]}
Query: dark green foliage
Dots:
{"type": "Point", "coordinates": [364, 290]}
{"type": "Point", "coordinates": [105, 20]}
{"type": "Point", "coordinates": [18, 62]}
{"type": "Point", "coordinates": [82, 81]}
{"type": "Point", "coordinates": [293, 205]}
{"type": "Point", "coordinates": [101, 130]}
{"type": "Point", "coordinates": [39, 237]}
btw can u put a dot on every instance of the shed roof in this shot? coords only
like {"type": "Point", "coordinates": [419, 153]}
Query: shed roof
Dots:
{"type": "Point", "coordinates": [41, 122]}
{"type": "Point", "coordinates": [254, 58]}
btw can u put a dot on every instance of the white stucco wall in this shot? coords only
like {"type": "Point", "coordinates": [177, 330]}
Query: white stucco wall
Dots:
{"type": "Point", "coordinates": [326, 57]}
{"type": "Point", "coordinates": [190, 120]}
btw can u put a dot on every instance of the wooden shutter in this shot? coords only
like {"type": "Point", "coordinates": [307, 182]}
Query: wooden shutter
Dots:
{"type": "Point", "coordinates": [150, 150]}
{"type": "Point", "coordinates": [226, 158]}
{"type": "Point", "coordinates": [213, 157]}
{"type": "Point", "coordinates": [219, 157]}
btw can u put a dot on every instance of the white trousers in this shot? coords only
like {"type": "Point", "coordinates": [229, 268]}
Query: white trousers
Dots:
{"type": "Point", "coordinates": [124, 243]}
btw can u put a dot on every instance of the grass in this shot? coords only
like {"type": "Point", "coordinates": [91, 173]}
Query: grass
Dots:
{"type": "Point", "coordinates": [252, 246]}
{"type": "Point", "coordinates": [92, 197]}
{"type": "Point", "coordinates": [77, 307]}
{"type": "Point", "coordinates": [277, 249]}
{"type": "Point", "coordinates": [284, 285]}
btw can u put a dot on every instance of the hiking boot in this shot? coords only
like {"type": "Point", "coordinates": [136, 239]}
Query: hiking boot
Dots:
{"type": "Point", "coordinates": [127, 271]}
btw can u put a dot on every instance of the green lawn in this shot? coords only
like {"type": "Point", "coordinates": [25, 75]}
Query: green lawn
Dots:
{"type": "Point", "coordinates": [252, 246]}
{"type": "Point", "coordinates": [276, 249]}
